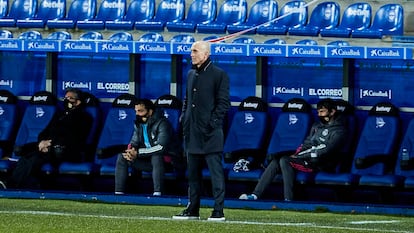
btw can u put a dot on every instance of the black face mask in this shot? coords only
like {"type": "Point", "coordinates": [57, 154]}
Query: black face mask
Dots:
{"type": "Point", "coordinates": [140, 119]}
{"type": "Point", "coordinates": [323, 120]}
{"type": "Point", "coordinates": [68, 105]}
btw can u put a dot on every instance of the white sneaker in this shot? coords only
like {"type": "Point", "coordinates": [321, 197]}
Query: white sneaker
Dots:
{"type": "Point", "coordinates": [157, 194]}
{"type": "Point", "coordinates": [248, 197]}
{"type": "Point", "coordinates": [119, 193]}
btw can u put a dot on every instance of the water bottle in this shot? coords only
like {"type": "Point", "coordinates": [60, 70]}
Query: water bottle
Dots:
{"type": "Point", "coordinates": [313, 152]}
{"type": "Point", "coordinates": [404, 155]}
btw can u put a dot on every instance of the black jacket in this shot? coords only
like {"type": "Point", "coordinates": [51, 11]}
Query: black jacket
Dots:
{"type": "Point", "coordinates": [204, 107]}
{"type": "Point", "coordinates": [68, 129]}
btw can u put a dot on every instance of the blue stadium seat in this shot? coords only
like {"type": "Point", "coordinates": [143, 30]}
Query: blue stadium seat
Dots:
{"type": "Point", "coordinates": [199, 12]}
{"type": "Point", "coordinates": [247, 135]}
{"type": "Point", "coordinates": [9, 120]}
{"type": "Point", "coordinates": [78, 10]}
{"type": "Point", "coordinates": [20, 9]}
{"type": "Point", "coordinates": [307, 42]}
{"type": "Point", "coordinates": [138, 10]}
{"type": "Point", "coordinates": [59, 35]}
{"type": "Point", "coordinates": [30, 35]}
{"type": "Point", "coordinates": [291, 128]}
{"type": "Point", "coordinates": [167, 11]}
{"type": "Point", "coordinates": [261, 12]}
{"type": "Point", "coordinates": [6, 34]}
{"type": "Point", "coordinates": [87, 166]}
{"type": "Point", "coordinates": [375, 150]}
{"type": "Point", "coordinates": [356, 16]}
{"type": "Point", "coordinates": [244, 40]}
{"type": "Point", "coordinates": [121, 36]}
{"type": "Point", "coordinates": [231, 12]}
{"type": "Point", "coordinates": [116, 133]}
{"type": "Point", "coordinates": [388, 20]}
{"type": "Point", "coordinates": [293, 14]}
{"type": "Point", "coordinates": [4, 8]}
{"type": "Point", "coordinates": [151, 37]}
{"type": "Point", "coordinates": [182, 38]}
{"type": "Point", "coordinates": [338, 43]}
{"type": "Point", "coordinates": [36, 117]}
{"type": "Point", "coordinates": [47, 10]}
{"type": "Point", "coordinates": [325, 15]}
{"type": "Point", "coordinates": [108, 10]}
{"type": "Point", "coordinates": [92, 35]}
{"type": "Point", "coordinates": [275, 41]}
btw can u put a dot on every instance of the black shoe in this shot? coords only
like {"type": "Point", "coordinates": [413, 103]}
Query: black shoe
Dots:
{"type": "Point", "coordinates": [185, 215]}
{"type": "Point", "coordinates": [217, 216]}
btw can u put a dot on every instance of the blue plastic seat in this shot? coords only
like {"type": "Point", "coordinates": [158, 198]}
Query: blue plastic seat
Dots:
{"type": "Point", "coordinates": [20, 9]}
{"type": "Point", "coordinates": [338, 43]}
{"type": "Point", "coordinates": [325, 15]}
{"type": "Point", "coordinates": [231, 12]}
{"type": "Point", "coordinates": [375, 150]}
{"type": "Point", "coordinates": [291, 128]}
{"type": "Point", "coordinates": [9, 121]}
{"type": "Point", "coordinates": [182, 38]}
{"type": "Point", "coordinates": [247, 134]}
{"type": "Point", "coordinates": [59, 35]}
{"type": "Point", "coordinates": [307, 42]}
{"type": "Point", "coordinates": [388, 20]}
{"type": "Point", "coordinates": [356, 16]}
{"type": "Point", "coordinates": [6, 34]}
{"type": "Point", "coordinates": [244, 40]}
{"type": "Point", "coordinates": [167, 11]}
{"type": "Point", "coordinates": [121, 36]}
{"type": "Point", "coordinates": [92, 35]}
{"type": "Point", "coordinates": [138, 10]}
{"type": "Point", "coordinates": [78, 10]}
{"type": "Point", "coordinates": [199, 12]}
{"type": "Point", "coordinates": [108, 10]}
{"type": "Point", "coordinates": [298, 18]}
{"type": "Point", "coordinates": [30, 35]}
{"type": "Point", "coordinates": [261, 12]}
{"type": "Point", "coordinates": [47, 10]}
{"type": "Point", "coordinates": [36, 117]}
{"type": "Point", "coordinates": [275, 41]}
{"type": "Point", "coordinates": [151, 37]}
{"type": "Point", "coordinates": [116, 133]}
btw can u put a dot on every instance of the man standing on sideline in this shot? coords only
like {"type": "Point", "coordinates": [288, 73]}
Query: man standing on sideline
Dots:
{"type": "Point", "coordinates": [205, 105]}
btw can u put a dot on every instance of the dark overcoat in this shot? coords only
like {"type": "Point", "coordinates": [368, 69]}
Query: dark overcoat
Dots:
{"type": "Point", "coordinates": [204, 108]}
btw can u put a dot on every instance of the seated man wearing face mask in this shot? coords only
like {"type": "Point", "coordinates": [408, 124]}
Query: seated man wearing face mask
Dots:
{"type": "Point", "coordinates": [318, 152]}
{"type": "Point", "coordinates": [152, 139]}
{"type": "Point", "coordinates": [63, 139]}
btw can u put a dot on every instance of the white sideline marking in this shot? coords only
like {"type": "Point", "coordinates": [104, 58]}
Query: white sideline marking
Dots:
{"type": "Point", "coordinates": [374, 222]}
{"type": "Point", "coordinates": [225, 222]}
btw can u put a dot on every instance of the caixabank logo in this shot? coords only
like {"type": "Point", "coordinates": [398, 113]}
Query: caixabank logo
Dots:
{"type": "Point", "coordinates": [78, 85]}
{"type": "Point", "coordinates": [287, 91]}
{"type": "Point", "coordinates": [386, 53]}
{"type": "Point", "coordinates": [268, 50]}
{"type": "Point", "coordinates": [153, 47]}
{"type": "Point", "coordinates": [116, 47]}
{"type": "Point", "coordinates": [367, 93]}
{"type": "Point", "coordinates": [12, 45]}
{"type": "Point", "coordinates": [223, 49]}
{"type": "Point", "coordinates": [305, 51]}
{"type": "Point", "coordinates": [181, 48]}
{"type": "Point", "coordinates": [345, 52]}
{"type": "Point", "coordinates": [79, 46]}
{"type": "Point", "coordinates": [6, 83]}
{"type": "Point", "coordinates": [41, 45]}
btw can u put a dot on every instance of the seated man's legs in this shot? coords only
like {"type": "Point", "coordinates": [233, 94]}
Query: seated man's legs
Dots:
{"type": "Point", "coordinates": [157, 162]}
{"type": "Point", "coordinates": [121, 174]}
{"type": "Point", "coordinates": [27, 166]}
{"type": "Point", "coordinates": [267, 177]}
{"type": "Point", "coordinates": [288, 174]}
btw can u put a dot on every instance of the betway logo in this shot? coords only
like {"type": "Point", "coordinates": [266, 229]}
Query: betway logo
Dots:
{"type": "Point", "coordinates": [47, 4]}
{"type": "Point", "coordinates": [4, 99]}
{"type": "Point", "coordinates": [40, 98]}
{"type": "Point", "coordinates": [114, 5]}
{"type": "Point", "coordinates": [295, 105]}
{"type": "Point", "coordinates": [164, 102]}
{"type": "Point", "coordinates": [382, 109]}
{"type": "Point", "coordinates": [387, 53]}
{"type": "Point", "coordinates": [233, 8]}
{"type": "Point", "coordinates": [123, 101]}
{"type": "Point", "coordinates": [250, 105]}
{"type": "Point", "coordinates": [306, 51]}
{"type": "Point", "coordinates": [358, 12]}
{"type": "Point", "coordinates": [170, 6]}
